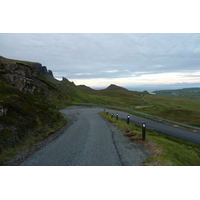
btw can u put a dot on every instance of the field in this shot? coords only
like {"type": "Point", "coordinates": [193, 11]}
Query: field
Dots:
{"type": "Point", "coordinates": [183, 108]}
{"type": "Point", "coordinates": [176, 108]}
{"type": "Point", "coordinates": [180, 109]}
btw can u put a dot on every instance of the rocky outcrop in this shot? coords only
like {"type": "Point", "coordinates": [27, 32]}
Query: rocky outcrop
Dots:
{"type": "Point", "coordinates": [18, 75]}
{"type": "Point", "coordinates": [50, 72]}
{"type": "Point", "coordinates": [28, 104]}
{"type": "Point", "coordinates": [42, 69]}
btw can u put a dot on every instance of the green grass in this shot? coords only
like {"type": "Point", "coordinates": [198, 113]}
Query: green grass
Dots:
{"type": "Point", "coordinates": [166, 150]}
{"type": "Point", "coordinates": [29, 118]}
{"type": "Point", "coordinates": [180, 109]}
{"type": "Point", "coordinates": [26, 143]}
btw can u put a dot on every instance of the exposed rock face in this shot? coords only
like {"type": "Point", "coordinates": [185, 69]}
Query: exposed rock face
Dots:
{"type": "Point", "coordinates": [42, 69]}
{"type": "Point", "coordinates": [22, 76]}
{"type": "Point", "coordinates": [18, 75]}
{"type": "Point", "coordinates": [50, 72]}
{"type": "Point", "coordinates": [28, 103]}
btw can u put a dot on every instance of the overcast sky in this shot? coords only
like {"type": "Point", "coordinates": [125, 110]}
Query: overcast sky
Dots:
{"type": "Point", "coordinates": [98, 60]}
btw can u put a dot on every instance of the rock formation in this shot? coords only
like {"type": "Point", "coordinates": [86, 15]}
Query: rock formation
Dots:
{"type": "Point", "coordinates": [42, 69]}
{"type": "Point", "coordinates": [22, 76]}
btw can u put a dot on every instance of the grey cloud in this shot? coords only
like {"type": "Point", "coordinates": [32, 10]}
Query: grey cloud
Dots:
{"type": "Point", "coordinates": [97, 55]}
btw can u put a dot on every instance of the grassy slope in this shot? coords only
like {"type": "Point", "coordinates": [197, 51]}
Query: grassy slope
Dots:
{"type": "Point", "coordinates": [178, 109]}
{"type": "Point", "coordinates": [181, 109]}
{"type": "Point", "coordinates": [56, 96]}
{"type": "Point", "coordinates": [166, 150]}
{"type": "Point", "coordinates": [120, 97]}
{"type": "Point", "coordinates": [27, 117]}
{"type": "Point", "coordinates": [30, 118]}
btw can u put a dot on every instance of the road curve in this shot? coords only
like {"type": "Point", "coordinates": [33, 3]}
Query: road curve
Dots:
{"type": "Point", "coordinates": [87, 142]}
{"type": "Point", "coordinates": [143, 114]}
{"type": "Point", "coordinates": [174, 131]}
{"type": "Point", "coordinates": [160, 127]}
{"type": "Point", "coordinates": [91, 141]}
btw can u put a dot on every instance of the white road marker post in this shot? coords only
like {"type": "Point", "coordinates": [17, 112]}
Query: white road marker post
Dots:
{"type": "Point", "coordinates": [143, 131]}
{"type": "Point", "coordinates": [128, 119]}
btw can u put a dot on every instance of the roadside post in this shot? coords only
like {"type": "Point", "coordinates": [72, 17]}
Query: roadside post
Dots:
{"type": "Point", "coordinates": [128, 119]}
{"type": "Point", "coordinates": [143, 131]}
{"type": "Point", "coordinates": [117, 117]}
{"type": "Point", "coordinates": [111, 115]}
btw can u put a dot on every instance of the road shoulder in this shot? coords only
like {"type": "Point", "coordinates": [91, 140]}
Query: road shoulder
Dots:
{"type": "Point", "coordinates": [130, 153]}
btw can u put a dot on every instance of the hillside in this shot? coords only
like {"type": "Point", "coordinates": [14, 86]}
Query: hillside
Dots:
{"type": "Point", "coordinates": [30, 98]}
{"type": "Point", "coordinates": [28, 106]}
{"type": "Point", "coordinates": [84, 88]}
{"type": "Point", "coordinates": [115, 87]}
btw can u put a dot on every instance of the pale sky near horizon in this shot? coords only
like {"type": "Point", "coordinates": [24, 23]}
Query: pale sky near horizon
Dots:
{"type": "Point", "coordinates": [97, 60]}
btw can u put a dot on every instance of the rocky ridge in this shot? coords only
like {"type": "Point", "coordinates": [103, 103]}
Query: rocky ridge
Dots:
{"type": "Point", "coordinates": [42, 69]}
{"type": "Point", "coordinates": [22, 76]}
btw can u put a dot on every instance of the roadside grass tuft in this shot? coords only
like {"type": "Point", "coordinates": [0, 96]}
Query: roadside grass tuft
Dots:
{"type": "Point", "coordinates": [166, 150]}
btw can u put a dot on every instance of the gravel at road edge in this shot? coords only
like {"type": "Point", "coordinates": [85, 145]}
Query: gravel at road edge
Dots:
{"type": "Point", "coordinates": [130, 153]}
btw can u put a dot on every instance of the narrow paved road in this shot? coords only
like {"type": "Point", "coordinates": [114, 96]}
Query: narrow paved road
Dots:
{"type": "Point", "coordinates": [91, 141]}
{"type": "Point", "coordinates": [87, 142]}
{"type": "Point", "coordinates": [160, 127]}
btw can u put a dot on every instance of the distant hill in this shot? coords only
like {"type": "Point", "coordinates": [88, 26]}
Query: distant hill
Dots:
{"type": "Point", "coordinates": [115, 87]}
{"type": "Point", "coordinates": [84, 88]}
{"type": "Point", "coordinates": [185, 92]}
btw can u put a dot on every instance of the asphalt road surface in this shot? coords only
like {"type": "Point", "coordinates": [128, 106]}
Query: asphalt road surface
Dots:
{"type": "Point", "coordinates": [174, 131]}
{"type": "Point", "coordinates": [89, 141]}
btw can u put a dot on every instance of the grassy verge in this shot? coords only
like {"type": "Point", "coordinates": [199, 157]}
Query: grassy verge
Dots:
{"type": "Point", "coordinates": [166, 150]}
{"type": "Point", "coordinates": [36, 135]}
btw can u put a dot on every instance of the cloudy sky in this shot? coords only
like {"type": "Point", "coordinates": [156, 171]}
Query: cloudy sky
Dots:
{"type": "Point", "coordinates": [97, 60]}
